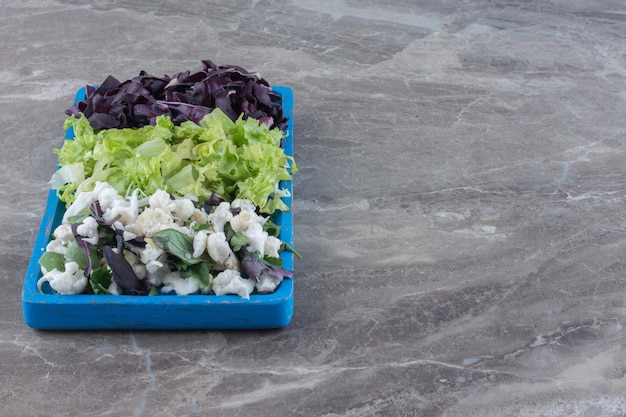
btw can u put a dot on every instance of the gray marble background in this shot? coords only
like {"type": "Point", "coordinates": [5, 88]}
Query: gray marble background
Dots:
{"type": "Point", "coordinates": [460, 208]}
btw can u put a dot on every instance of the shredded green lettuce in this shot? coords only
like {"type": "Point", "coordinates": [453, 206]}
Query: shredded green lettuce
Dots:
{"type": "Point", "coordinates": [240, 159]}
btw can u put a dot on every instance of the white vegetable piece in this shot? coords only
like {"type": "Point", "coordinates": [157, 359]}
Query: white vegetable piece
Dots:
{"type": "Point", "coordinates": [151, 252]}
{"type": "Point", "coordinates": [241, 221]}
{"type": "Point", "coordinates": [231, 282]}
{"type": "Point", "coordinates": [199, 243]}
{"type": "Point", "coordinates": [83, 200]}
{"type": "Point", "coordinates": [88, 229]}
{"type": "Point", "coordinates": [220, 251]}
{"type": "Point", "coordinates": [151, 221]}
{"type": "Point", "coordinates": [56, 245]}
{"type": "Point", "coordinates": [138, 267]}
{"type": "Point", "coordinates": [71, 281]}
{"type": "Point", "coordinates": [272, 246]}
{"type": "Point", "coordinates": [243, 204]}
{"type": "Point", "coordinates": [183, 209]}
{"type": "Point", "coordinates": [64, 233]}
{"type": "Point", "coordinates": [267, 283]}
{"type": "Point", "coordinates": [156, 271]}
{"type": "Point", "coordinates": [181, 286]}
{"type": "Point", "coordinates": [108, 198]}
{"type": "Point", "coordinates": [161, 199]}
{"type": "Point", "coordinates": [220, 216]}
{"type": "Point", "coordinates": [127, 210]}
{"type": "Point", "coordinates": [256, 237]}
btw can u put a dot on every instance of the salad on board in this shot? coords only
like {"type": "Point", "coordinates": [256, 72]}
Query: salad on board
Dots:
{"type": "Point", "coordinates": [170, 184]}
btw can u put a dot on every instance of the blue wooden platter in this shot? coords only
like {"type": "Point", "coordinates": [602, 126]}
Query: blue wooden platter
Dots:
{"type": "Point", "coordinates": [91, 312]}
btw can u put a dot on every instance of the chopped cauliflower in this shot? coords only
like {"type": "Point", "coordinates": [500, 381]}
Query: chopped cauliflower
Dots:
{"type": "Point", "coordinates": [243, 204]}
{"type": "Point", "coordinates": [267, 283]}
{"type": "Point", "coordinates": [88, 229]}
{"type": "Point", "coordinates": [70, 281]}
{"type": "Point", "coordinates": [181, 286]}
{"type": "Point", "coordinates": [256, 238]}
{"type": "Point", "coordinates": [272, 247]}
{"type": "Point", "coordinates": [125, 211]}
{"type": "Point", "coordinates": [220, 216]}
{"type": "Point", "coordinates": [231, 282]}
{"type": "Point", "coordinates": [84, 200]}
{"type": "Point", "coordinates": [56, 245]}
{"type": "Point", "coordinates": [161, 199]}
{"type": "Point", "coordinates": [242, 220]}
{"type": "Point", "coordinates": [64, 233]}
{"type": "Point", "coordinates": [199, 216]}
{"type": "Point", "coordinates": [151, 221]}
{"type": "Point", "coordinates": [183, 209]}
{"type": "Point", "coordinates": [199, 243]}
{"type": "Point", "coordinates": [151, 252]}
{"type": "Point", "coordinates": [220, 251]}
{"type": "Point", "coordinates": [156, 272]}
{"type": "Point", "coordinates": [138, 266]}
{"type": "Point", "coordinates": [138, 219]}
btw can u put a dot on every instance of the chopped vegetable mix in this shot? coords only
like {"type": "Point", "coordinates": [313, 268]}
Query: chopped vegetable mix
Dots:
{"type": "Point", "coordinates": [162, 245]}
{"type": "Point", "coordinates": [169, 184]}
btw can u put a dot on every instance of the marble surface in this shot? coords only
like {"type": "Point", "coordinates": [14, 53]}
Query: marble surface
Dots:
{"type": "Point", "coordinates": [460, 208]}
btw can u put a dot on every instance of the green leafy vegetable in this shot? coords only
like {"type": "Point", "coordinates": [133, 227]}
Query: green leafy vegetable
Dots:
{"type": "Point", "coordinates": [218, 156]}
{"type": "Point", "coordinates": [52, 260]}
{"type": "Point", "coordinates": [100, 279]}
{"type": "Point", "coordinates": [178, 244]}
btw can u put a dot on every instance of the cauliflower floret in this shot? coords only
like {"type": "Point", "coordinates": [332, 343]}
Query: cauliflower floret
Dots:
{"type": "Point", "coordinates": [56, 245]}
{"type": "Point", "coordinates": [108, 198]}
{"type": "Point", "coordinates": [127, 210]}
{"type": "Point", "coordinates": [199, 243]}
{"type": "Point", "coordinates": [181, 286]}
{"type": "Point", "coordinates": [241, 221]}
{"type": "Point", "coordinates": [83, 200]}
{"type": "Point", "coordinates": [199, 216]}
{"type": "Point", "coordinates": [71, 281]}
{"type": "Point", "coordinates": [267, 283]}
{"type": "Point", "coordinates": [272, 247]}
{"type": "Point", "coordinates": [138, 266]}
{"type": "Point", "coordinates": [161, 199]}
{"type": "Point", "coordinates": [150, 221]}
{"type": "Point", "coordinates": [156, 271]}
{"type": "Point", "coordinates": [231, 282]}
{"type": "Point", "coordinates": [183, 209]}
{"type": "Point", "coordinates": [114, 289]}
{"type": "Point", "coordinates": [64, 233]}
{"type": "Point", "coordinates": [151, 252]}
{"type": "Point", "coordinates": [221, 252]}
{"type": "Point", "coordinates": [256, 238]}
{"type": "Point", "coordinates": [88, 229]}
{"type": "Point", "coordinates": [243, 204]}
{"type": "Point", "coordinates": [220, 216]}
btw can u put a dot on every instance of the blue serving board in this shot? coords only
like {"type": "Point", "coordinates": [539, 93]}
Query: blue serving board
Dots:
{"type": "Point", "coordinates": [88, 312]}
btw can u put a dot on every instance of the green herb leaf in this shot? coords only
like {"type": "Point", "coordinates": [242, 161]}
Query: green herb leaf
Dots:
{"type": "Point", "coordinates": [289, 248]}
{"type": "Point", "coordinates": [76, 254]}
{"type": "Point", "coordinates": [177, 244]}
{"type": "Point", "coordinates": [201, 272]}
{"type": "Point", "coordinates": [270, 261]}
{"type": "Point", "coordinates": [52, 260]}
{"type": "Point", "coordinates": [271, 228]}
{"type": "Point", "coordinates": [99, 280]}
{"type": "Point", "coordinates": [237, 241]}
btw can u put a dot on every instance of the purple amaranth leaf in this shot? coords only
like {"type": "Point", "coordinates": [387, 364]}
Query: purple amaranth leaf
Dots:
{"type": "Point", "coordinates": [253, 266]}
{"type": "Point", "coordinates": [138, 101]}
{"type": "Point", "coordinates": [123, 273]}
